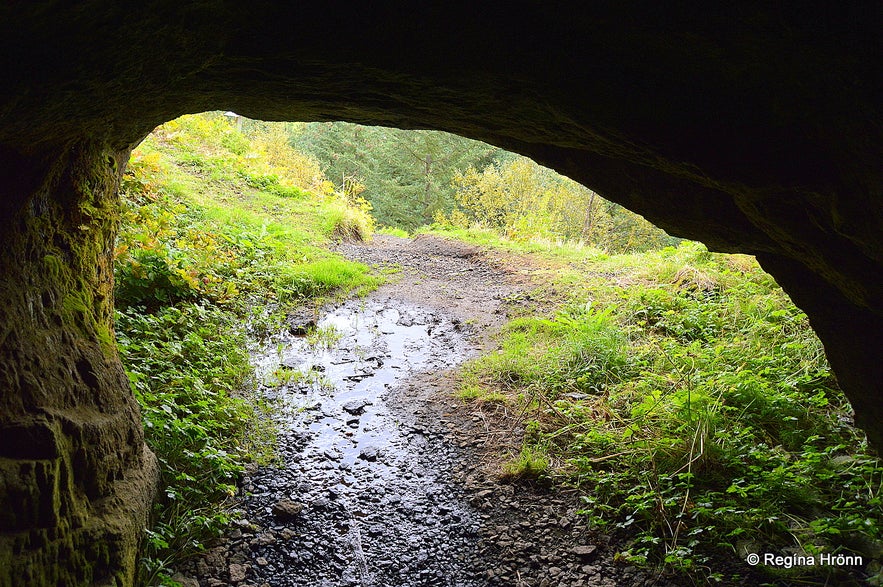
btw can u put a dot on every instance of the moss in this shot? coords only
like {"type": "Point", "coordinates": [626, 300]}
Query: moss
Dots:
{"type": "Point", "coordinates": [54, 268]}
{"type": "Point", "coordinates": [75, 302]}
{"type": "Point", "coordinates": [106, 340]}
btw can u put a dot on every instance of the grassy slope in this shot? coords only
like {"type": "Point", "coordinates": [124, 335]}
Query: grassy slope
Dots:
{"type": "Point", "coordinates": [681, 390]}
{"type": "Point", "coordinates": [216, 243]}
{"type": "Point", "coordinates": [690, 401]}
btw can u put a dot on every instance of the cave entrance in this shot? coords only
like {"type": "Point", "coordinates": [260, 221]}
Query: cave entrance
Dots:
{"type": "Point", "coordinates": [346, 466]}
{"type": "Point", "coordinates": [753, 130]}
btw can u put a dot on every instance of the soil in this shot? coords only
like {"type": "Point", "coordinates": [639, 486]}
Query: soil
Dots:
{"type": "Point", "coordinates": [387, 478]}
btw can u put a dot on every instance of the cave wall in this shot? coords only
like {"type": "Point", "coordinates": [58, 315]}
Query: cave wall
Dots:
{"type": "Point", "coordinates": [76, 480]}
{"type": "Point", "coordinates": [755, 129]}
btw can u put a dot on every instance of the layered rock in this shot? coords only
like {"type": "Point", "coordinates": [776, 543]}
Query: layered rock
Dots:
{"type": "Point", "coordinates": [76, 480]}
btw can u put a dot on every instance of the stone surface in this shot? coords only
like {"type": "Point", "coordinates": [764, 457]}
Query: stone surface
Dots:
{"type": "Point", "coordinates": [184, 580]}
{"type": "Point", "coordinates": [356, 406]}
{"type": "Point", "coordinates": [238, 573]}
{"type": "Point", "coordinates": [751, 128]}
{"type": "Point", "coordinates": [76, 480]}
{"type": "Point", "coordinates": [584, 551]}
{"type": "Point", "coordinates": [286, 509]}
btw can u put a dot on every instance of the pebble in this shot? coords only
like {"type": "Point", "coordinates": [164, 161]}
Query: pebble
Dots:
{"type": "Point", "coordinates": [238, 573]}
{"type": "Point", "coordinates": [286, 509]}
{"type": "Point", "coordinates": [377, 486]}
{"type": "Point", "coordinates": [584, 551]}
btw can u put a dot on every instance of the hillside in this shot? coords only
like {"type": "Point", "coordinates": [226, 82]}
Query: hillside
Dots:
{"type": "Point", "coordinates": [678, 393]}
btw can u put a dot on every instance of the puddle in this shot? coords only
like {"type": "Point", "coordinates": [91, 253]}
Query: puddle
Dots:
{"type": "Point", "coordinates": [368, 501]}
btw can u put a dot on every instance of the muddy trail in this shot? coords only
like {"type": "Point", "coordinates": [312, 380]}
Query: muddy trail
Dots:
{"type": "Point", "coordinates": [387, 479]}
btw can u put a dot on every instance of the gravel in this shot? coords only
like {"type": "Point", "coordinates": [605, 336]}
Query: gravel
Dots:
{"type": "Point", "coordinates": [387, 479]}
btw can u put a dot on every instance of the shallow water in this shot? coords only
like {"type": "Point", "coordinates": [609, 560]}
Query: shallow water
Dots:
{"type": "Point", "coordinates": [377, 508]}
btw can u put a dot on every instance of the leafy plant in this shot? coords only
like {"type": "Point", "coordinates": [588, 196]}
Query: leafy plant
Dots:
{"type": "Point", "coordinates": [189, 369]}
{"type": "Point", "coordinates": [215, 240]}
{"type": "Point", "coordinates": [691, 402]}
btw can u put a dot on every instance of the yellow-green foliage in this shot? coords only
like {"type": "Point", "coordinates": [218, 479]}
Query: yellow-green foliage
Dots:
{"type": "Point", "coordinates": [530, 465]}
{"type": "Point", "coordinates": [525, 201]}
{"type": "Point", "coordinates": [350, 221]}
{"type": "Point", "coordinates": [275, 156]}
{"type": "Point", "coordinates": [211, 214]}
{"type": "Point", "coordinates": [217, 229]}
{"type": "Point", "coordinates": [692, 403]}
{"type": "Point", "coordinates": [262, 158]}
{"type": "Point", "coordinates": [392, 231]}
{"type": "Point", "coordinates": [516, 197]}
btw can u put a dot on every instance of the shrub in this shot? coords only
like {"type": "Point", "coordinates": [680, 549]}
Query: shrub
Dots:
{"type": "Point", "coordinates": [349, 223]}
{"type": "Point", "coordinates": [151, 278]}
{"type": "Point", "coordinates": [187, 365]}
{"type": "Point", "coordinates": [696, 411]}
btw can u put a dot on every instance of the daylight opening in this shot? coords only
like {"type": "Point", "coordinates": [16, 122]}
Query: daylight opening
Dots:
{"type": "Point", "coordinates": [371, 356]}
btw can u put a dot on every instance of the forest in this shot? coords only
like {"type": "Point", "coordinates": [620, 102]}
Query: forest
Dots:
{"type": "Point", "coordinates": [679, 392]}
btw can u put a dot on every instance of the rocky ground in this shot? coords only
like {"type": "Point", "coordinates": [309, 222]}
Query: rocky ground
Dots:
{"type": "Point", "coordinates": [387, 479]}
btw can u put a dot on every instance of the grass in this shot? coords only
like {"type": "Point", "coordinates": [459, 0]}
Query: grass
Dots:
{"type": "Point", "coordinates": [551, 249]}
{"type": "Point", "coordinates": [394, 231]}
{"type": "Point", "coordinates": [324, 337]}
{"type": "Point", "coordinates": [688, 399]}
{"type": "Point", "coordinates": [531, 465]}
{"type": "Point", "coordinates": [214, 234]}
{"type": "Point", "coordinates": [473, 392]}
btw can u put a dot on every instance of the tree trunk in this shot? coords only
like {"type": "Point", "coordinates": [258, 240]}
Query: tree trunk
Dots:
{"type": "Point", "coordinates": [588, 220]}
{"type": "Point", "coordinates": [427, 187]}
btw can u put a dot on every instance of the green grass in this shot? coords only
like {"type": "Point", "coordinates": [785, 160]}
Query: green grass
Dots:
{"type": "Point", "coordinates": [216, 245]}
{"type": "Point", "coordinates": [393, 231]}
{"type": "Point", "coordinates": [324, 338]}
{"type": "Point", "coordinates": [564, 251]}
{"type": "Point", "coordinates": [481, 393]}
{"type": "Point", "coordinates": [531, 465]}
{"type": "Point", "coordinates": [690, 401]}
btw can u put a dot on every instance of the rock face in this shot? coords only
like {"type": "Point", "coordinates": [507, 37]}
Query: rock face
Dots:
{"type": "Point", "coordinates": [752, 129]}
{"type": "Point", "coordinates": [76, 481]}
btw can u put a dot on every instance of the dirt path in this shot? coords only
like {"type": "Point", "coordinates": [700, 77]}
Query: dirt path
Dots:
{"type": "Point", "coordinates": [449, 276]}
{"type": "Point", "coordinates": [388, 479]}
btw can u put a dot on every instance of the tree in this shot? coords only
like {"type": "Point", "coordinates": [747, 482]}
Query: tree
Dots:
{"type": "Point", "coordinates": [524, 200]}
{"type": "Point", "coordinates": [406, 174]}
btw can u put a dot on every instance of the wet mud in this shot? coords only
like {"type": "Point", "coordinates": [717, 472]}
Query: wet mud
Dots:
{"type": "Point", "coordinates": [385, 478]}
{"type": "Point", "coordinates": [361, 494]}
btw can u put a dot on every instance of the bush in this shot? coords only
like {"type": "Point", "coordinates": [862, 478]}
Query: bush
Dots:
{"type": "Point", "coordinates": [151, 279]}
{"type": "Point", "coordinates": [188, 367]}
{"type": "Point", "coordinates": [350, 223]}
{"type": "Point", "coordinates": [696, 411]}
{"type": "Point", "coordinates": [211, 244]}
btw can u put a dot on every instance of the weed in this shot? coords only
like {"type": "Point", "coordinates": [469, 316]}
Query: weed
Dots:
{"type": "Point", "coordinates": [188, 369]}
{"type": "Point", "coordinates": [530, 466]}
{"type": "Point", "coordinates": [282, 376]}
{"type": "Point", "coordinates": [691, 402]}
{"type": "Point", "coordinates": [324, 338]}
{"type": "Point", "coordinates": [214, 232]}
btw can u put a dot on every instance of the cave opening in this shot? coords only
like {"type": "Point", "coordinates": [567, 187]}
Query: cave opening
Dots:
{"type": "Point", "coordinates": [752, 129]}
